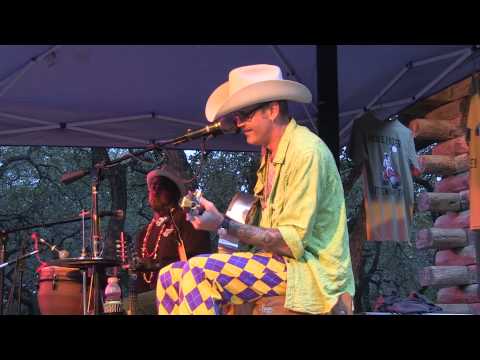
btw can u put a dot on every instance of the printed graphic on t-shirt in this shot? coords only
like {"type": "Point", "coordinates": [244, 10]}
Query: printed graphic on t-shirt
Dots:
{"type": "Point", "coordinates": [389, 174]}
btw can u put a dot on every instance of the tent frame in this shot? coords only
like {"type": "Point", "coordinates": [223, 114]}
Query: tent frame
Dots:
{"type": "Point", "coordinates": [461, 55]}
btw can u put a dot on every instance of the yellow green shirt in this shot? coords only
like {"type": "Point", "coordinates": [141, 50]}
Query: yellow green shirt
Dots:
{"type": "Point", "coordinates": [307, 206]}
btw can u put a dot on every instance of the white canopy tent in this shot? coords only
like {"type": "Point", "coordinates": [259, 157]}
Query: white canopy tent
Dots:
{"type": "Point", "coordinates": [131, 96]}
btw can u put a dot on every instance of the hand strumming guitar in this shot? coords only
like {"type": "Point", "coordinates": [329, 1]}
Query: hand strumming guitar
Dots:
{"type": "Point", "coordinates": [267, 239]}
{"type": "Point", "coordinates": [210, 219]}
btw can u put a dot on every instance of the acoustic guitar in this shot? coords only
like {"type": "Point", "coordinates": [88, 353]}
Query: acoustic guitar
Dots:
{"type": "Point", "coordinates": [242, 208]}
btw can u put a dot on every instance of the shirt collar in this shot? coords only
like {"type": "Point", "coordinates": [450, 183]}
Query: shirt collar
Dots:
{"type": "Point", "coordinates": [284, 142]}
{"type": "Point", "coordinates": [282, 146]}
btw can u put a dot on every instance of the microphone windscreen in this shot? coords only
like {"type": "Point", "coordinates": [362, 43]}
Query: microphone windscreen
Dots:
{"type": "Point", "coordinates": [228, 125]}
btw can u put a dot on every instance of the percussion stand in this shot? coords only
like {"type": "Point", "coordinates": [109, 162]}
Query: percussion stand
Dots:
{"type": "Point", "coordinates": [83, 255]}
{"type": "Point", "coordinates": [95, 174]}
{"type": "Point", "coordinates": [17, 263]}
{"type": "Point", "coordinates": [20, 268]}
{"type": "Point", "coordinates": [3, 241]}
{"type": "Point", "coordinates": [97, 263]}
{"type": "Point", "coordinates": [4, 238]}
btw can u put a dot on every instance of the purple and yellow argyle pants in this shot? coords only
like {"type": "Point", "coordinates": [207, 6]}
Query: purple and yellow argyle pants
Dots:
{"type": "Point", "coordinates": [199, 285]}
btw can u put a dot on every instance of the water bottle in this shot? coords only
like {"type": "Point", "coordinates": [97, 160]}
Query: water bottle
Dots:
{"type": "Point", "coordinates": [113, 297]}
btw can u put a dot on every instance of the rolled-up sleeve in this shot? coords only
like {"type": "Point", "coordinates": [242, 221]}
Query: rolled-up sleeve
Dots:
{"type": "Point", "coordinates": [301, 201]}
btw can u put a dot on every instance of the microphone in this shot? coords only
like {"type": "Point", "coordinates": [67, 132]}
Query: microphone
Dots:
{"type": "Point", "coordinates": [117, 214]}
{"type": "Point", "coordinates": [62, 254]}
{"type": "Point", "coordinates": [225, 125]}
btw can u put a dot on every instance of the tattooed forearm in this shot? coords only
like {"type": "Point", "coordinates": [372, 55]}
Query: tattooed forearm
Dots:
{"type": "Point", "coordinates": [268, 239]}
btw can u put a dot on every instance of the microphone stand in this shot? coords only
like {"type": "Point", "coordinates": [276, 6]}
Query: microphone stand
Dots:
{"type": "Point", "coordinates": [96, 238]}
{"type": "Point", "coordinates": [96, 241]}
{"type": "Point", "coordinates": [3, 241]}
{"type": "Point", "coordinates": [24, 256]}
{"type": "Point", "coordinates": [18, 270]}
{"type": "Point", "coordinates": [3, 234]}
{"type": "Point", "coordinates": [83, 255]}
{"type": "Point", "coordinates": [96, 177]}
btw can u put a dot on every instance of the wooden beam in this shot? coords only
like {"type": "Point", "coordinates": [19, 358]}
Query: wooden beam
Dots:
{"type": "Point", "coordinates": [445, 276]}
{"type": "Point", "coordinates": [456, 91]}
{"type": "Point", "coordinates": [443, 202]}
{"type": "Point", "coordinates": [443, 165]}
{"type": "Point", "coordinates": [459, 295]}
{"type": "Point", "coordinates": [460, 256]}
{"type": "Point", "coordinates": [453, 220]}
{"type": "Point", "coordinates": [453, 147]}
{"type": "Point", "coordinates": [454, 183]}
{"type": "Point", "coordinates": [419, 110]}
{"type": "Point", "coordinates": [442, 239]}
{"type": "Point", "coordinates": [436, 129]}
{"type": "Point", "coordinates": [450, 110]}
{"type": "Point", "coordinates": [434, 238]}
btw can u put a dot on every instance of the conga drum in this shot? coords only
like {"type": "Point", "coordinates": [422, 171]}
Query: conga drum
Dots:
{"type": "Point", "coordinates": [60, 291]}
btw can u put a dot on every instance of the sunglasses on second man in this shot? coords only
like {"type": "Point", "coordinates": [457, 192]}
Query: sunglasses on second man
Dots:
{"type": "Point", "coordinates": [241, 116]}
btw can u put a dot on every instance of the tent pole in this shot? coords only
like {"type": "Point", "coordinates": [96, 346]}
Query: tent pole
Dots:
{"type": "Point", "coordinates": [29, 129]}
{"type": "Point", "coordinates": [438, 58]}
{"type": "Point", "coordinates": [27, 119]}
{"type": "Point", "coordinates": [379, 106]}
{"type": "Point", "coordinates": [443, 74]}
{"type": "Point", "coordinates": [388, 86]}
{"type": "Point", "coordinates": [291, 73]}
{"type": "Point", "coordinates": [139, 142]}
{"type": "Point", "coordinates": [130, 118]}
{"type": "Point", "coordinates": [327, 98]}
{"type": "Point", "coordinates": [21, 72]}
{"type": "Point", "coordinates": [110, 120]}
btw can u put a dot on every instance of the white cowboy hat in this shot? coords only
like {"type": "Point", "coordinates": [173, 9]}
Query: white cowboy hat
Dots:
{"type": "Point", "coordinates": [254, 84]}
{"type": "Point", "coordinates": [170, 174]}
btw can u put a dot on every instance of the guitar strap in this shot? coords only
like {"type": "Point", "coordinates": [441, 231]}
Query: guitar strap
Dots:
{"type": "Point", "coordinates": [182, 254]}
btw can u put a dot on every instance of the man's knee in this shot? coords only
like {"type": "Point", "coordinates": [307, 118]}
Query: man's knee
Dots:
{"type": "Point", "coordinates": [170, 273]}
{"type": "Point", "coordinates": [197, 261]}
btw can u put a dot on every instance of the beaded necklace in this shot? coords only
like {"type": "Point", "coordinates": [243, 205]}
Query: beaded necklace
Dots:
{"type": "Point", "coordinates": [145, 254]}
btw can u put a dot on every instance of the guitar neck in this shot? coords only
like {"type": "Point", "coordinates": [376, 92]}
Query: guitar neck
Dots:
{"type": "Point", "coordinates": [132, 295]}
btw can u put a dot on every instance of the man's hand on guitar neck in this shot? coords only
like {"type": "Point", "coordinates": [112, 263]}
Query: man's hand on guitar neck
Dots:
{"type": "Point", "coordinates": [269, 240]}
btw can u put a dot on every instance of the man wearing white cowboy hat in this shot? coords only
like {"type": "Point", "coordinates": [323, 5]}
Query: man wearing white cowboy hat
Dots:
{"type": "Point", "coordinates": [159, 244]}
{"type": "Point", "coordinates": [301, 240]}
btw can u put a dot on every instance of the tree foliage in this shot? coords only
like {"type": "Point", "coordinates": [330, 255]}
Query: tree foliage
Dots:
{"type": "Point", "coordinates": [31, 193]}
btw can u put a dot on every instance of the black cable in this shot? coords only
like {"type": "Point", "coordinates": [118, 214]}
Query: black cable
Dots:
{"type": "Point", "coordinates": [203, 154]}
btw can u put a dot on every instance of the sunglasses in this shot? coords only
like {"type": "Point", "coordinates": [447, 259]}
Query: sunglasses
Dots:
{"type": "Point", "coordinates": [241, 116]}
